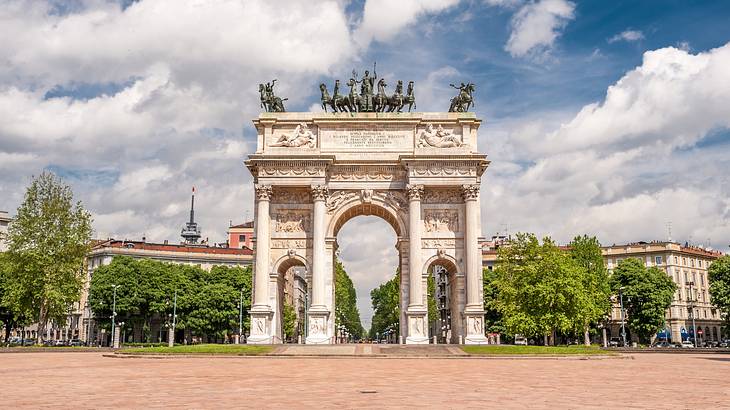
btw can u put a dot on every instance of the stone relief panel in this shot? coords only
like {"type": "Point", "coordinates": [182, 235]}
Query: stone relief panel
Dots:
{"type": "Point", "coordinates": [316, 326]}
{"type": "Point", "coordinates": [396, 199]}
{"type": "Point", "coordinates": [291, 196]}
{"type": "Point", "coordinates": [437, 137]}
{"type": "Point", "coordinates": [291, 220]}
{"type": "Point", "coordinates": [441, 220]}
{"type": "Point", "coordinates": [438, 243]}
{"type": "Point", "coordinates": [290, 169]}
{"type": "Point", "coordinates": [300, 137]}
{"type": "Point", "coordinates": [442, 196]}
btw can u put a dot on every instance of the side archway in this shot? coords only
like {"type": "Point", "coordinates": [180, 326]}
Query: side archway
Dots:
{"type": "Point", "coordinates": [291, 277]}
{"type": "Point", "coordinates": [447, 279]}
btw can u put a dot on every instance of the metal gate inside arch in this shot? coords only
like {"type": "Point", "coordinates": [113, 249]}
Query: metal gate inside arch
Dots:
{"type": "Point", "coordinates": [388, 165]}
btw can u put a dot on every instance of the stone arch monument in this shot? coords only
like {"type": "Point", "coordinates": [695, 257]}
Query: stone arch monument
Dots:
{"type": "Point", "coordinates": [420, 172]}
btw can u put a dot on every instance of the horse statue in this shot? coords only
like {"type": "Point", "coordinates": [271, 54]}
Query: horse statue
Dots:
{"type": "Point", "coordinates": [353, 98]}
{"type": "Point", "coordinates": [410, 98]}
{"type": "Point", "coordinates": [380, 100]}
{"type": "Point", "coordinates": [395, 102]}
{"type": "Point", "coordinates": [269, 101]}
{"type": "Point", "coordinates": [326, 99]}
{"type": "Point", "coordinates": [464, 100]}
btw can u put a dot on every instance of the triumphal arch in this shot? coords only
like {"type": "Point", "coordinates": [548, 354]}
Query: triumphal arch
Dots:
{"type": "Point", "coordinates": [420, 172]}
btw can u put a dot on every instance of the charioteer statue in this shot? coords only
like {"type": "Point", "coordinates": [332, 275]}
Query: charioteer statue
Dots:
{"type": "Point", "coordinates": [368, 100]}
{"type": "Point", "coordinates": [269, 101]}
{"type": "Point", "coordinates": [465, 99]}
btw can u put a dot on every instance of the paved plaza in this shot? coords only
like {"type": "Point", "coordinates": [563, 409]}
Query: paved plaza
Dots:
{"type": "Point", "coordinates": [90, 380]}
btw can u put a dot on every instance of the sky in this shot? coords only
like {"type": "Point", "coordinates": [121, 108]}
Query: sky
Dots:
{"type": "Point", "coordinates": [606, 118]}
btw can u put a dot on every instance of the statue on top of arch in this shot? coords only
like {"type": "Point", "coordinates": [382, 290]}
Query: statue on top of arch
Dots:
{"type": "Point", "coordinates": [368, 100]}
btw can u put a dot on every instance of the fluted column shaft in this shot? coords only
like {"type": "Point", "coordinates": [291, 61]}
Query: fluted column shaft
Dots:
{"type": "Point", "coordinates": [319, 196]}
{"type": "Point", "coordinates": [415, 291]}
{"type": "Point", "coordinates": [263, 234]}
{"type": "Point", "coordinates": [471, 245]}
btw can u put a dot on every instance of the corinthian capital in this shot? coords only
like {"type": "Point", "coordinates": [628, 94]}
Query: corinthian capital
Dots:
{"type": "Point", "coordinates": [319, 192]}
{"type": "Point", "coordinates": [470, 192]}
{"type": "Point", "coordinates": [415, 192]}
{"type": "Point", "coordinates": [263, 192]}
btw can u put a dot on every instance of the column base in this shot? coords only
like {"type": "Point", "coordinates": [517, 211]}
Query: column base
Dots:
{"type": "Point", "coordinates": [317, 333]}
{"type": "Point", "coordinates": [261, 325]}
{"type": "Point", "coordinates": [417, 326]}
{"type": "Point", "coordinates": [475, 328]}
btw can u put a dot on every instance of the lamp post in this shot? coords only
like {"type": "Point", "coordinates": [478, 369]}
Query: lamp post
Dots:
{"type": "Point", "coordinates": [623, 326]}
{"type": "Point", "coordinates": [114, 312]}
{"type": "Point", "coordinates": [240, 318]}
{"type": "Point", "coordinates": [692, 312]}
{"type": "Point", "coordinates": [171, 339]}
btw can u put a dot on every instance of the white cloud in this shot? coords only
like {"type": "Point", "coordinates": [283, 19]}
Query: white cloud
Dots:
{"type": "Point", "coordinates": [383, 19]}
{"type": "Point", "coordinates": [627, 35]}
{"type": "Point", "coordinates": [536, 25]}
{"type": "Point", "coordinates": [625, 166]}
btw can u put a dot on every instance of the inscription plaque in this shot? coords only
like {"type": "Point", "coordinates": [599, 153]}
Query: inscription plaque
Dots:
{"type": "Point", "coordinates": [373, 138]}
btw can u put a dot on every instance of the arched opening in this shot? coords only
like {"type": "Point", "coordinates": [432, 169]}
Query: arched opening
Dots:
{"type": "Point", "coordinates": [367, 248]}
{"type": "Point", "coordinates": [292, 289]}
{"type": "Point", "coordinates": [443, 298]}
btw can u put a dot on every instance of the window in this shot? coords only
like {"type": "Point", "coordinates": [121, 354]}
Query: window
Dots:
{"type": "Point", "coordinates": [658, 260]}
{"type": "Point", "coordinates": [242, 238]}
{"type": "Point", "coordinates": [684, 261]}
{"type": "Point", "coordinates": [699, 262]}
{"type": "Point", "coordinates": [692, 263]}
{"type": "Point", "coordinates": [686, 279]}
{"type": "Point", "coordinates": [675, 260]}
{"type": "Point", "coordinates": [702, 279]}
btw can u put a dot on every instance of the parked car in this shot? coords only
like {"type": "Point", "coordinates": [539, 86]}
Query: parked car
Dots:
{"type": "Point", "coordinates": [60, 342]}
{"type": "Point", "coordinates": [663, 344]}
{"type": "Point", "coordinates": [75, 342]}
{"type": "Point", "coordinates": [28, 342]}
{"type": "Point", "coordinates": [615, 342]}
{"type": "Point", "coordinates": [520, 340]}
{"type": "Point", "coordinates": [688, 344]}
{"type": "Point", "coordinates": [725, 343]}
{"type": "Point", "coordinates": [712, 343]}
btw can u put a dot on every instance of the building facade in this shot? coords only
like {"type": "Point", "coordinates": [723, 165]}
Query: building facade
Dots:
{"type": "Point", "coordinates": [687, 266]}
{"type": "Point", "coordinates": [241, 235]}
{"type": "Point", "coordinates": [5, 220]}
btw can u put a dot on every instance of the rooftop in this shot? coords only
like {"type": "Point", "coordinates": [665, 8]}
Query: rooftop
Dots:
{"type": "Point", "coordinates": [248, 224]}
{"type": "Point", "coordinates": [165, 247]}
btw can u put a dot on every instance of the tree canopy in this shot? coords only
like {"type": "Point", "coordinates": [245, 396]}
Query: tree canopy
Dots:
{"type": "Point", "coordinates": [647, 293]}
{"type": "Point", "coordinates": [207, 301]}
{"type": "Point", "coordinates": [719, 277]}
{"type": "Point", "coordinates": [540, 288]}
{"type": "Point", "coordinates": [48, 241]}
{"type": "Point", "coordinates": [386, 307]}
{"type": "Point", "coordinates": [346, 312]}
{"type": "Point", "coordinates": [586, 252]}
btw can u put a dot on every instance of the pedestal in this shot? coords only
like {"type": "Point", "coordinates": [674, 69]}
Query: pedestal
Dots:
{"type": "Point", "coordinates": [170, 337]}
{"type": "Point", "coordinates": [261, 327]}
{"type": "Point", "coordinates": [475, 328]}
{"type": "Point", "coordinates": [417, 327]}
{"type": "Point", "coordinates": [317, 333]}
{"type": "Point", "coordinates": [117, 332]}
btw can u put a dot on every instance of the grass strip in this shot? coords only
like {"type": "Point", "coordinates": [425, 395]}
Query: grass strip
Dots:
{"type": "Point", "coordinates": [511, 350]}
{"type": "Point", "coordinates": [210, 349]}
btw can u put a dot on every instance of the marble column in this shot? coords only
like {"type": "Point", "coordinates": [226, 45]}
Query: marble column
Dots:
{"type": "Point", "coordinates": [318, 313]}
{"type": "Point", "coordinates": [474, 310]}
{"type": "Point", "coordinates": [261, 312]}
{"type": "Point", "coordinates": [417, 322]}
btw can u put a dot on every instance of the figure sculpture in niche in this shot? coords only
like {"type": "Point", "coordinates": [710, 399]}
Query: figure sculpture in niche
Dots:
{"type": "Point", "coordinates": [301, 136]}
{"type": "Point", "coordinates": [438, 138]}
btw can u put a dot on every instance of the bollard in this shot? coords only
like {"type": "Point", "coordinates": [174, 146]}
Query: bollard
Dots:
{"type": "Point", "coordinates": [435, 341]}
{"type": "Point", "coordinates": [461, 339]}
{"type": "Point", "coordinates": [170, 337]}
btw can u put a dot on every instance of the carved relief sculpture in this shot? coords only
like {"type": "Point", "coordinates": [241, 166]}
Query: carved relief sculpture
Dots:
{"type": "Point", "coordinates": [438, 138]}
{"type": "Point", "coordinates": [442, 196]}
{"type": "Point", "coordinates": [337, 198]}
{"type": "Point", "coordinates": [415, 192]}
{"type": "Point", "coordinates": [319, 193]}
{"type": "Point", "coordinates": [291, 221]}
{"type": "Point", "coordinates": [470, 192]}
{"type": "Point", "coordinates": [263, 192]}
{"type": "Point", "coordinates": [441, 220]}
{"type": "Point", "coordinates": [290, 196]}
{"type": "Point", "coordinates": [301, 137]}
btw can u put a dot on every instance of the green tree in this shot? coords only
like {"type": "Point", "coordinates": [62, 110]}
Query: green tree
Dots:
{"type": "Point", "coordinates": [586, 252]}
{"type": "Point", "coordinates": [289, 321]}
{"type": "Point", "coordinates": [492, 315]}
{"type": "Point", "coordinates": [9, 317]}
{"type": "Point", "coordinates": [540, 288]}
{"type": "Point", "coordinates": [48, 242]}
{"type": "Point", "coordinates": [647, 293]}
{"type": "Point", "coordinates": [346, 312]}
{"type": "Point", "coordinates": [719, 278]}
{"type": "Point", "coordinates": [386, 307]}
{"type": "Point", "coordinates": [433, 312]}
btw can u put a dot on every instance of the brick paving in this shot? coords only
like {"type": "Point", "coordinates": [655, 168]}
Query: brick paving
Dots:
{"type": "Point", "coordinates": [90, 380]}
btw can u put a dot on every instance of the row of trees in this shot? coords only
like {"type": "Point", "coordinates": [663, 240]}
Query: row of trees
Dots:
{"type": "Point", "coordinates": [207, 302]}
{"type": "Point", "coordinates": [346, 312]}
{"type": "Point", "coordinates": [540, 289]}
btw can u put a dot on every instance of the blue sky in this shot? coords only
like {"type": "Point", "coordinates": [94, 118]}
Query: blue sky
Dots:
{"type": "Point", "coordinates": [602, 117]}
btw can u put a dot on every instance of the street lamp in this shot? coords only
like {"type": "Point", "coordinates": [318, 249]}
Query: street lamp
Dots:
{"type": "Point", "coordinates": [240, 318]}
{"type": "Point", "coordinates": [623, 326]}
{"type": "Point", "coordinates": [692, 312]}
{"type": "Point", "coordinates": [114, 312]}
